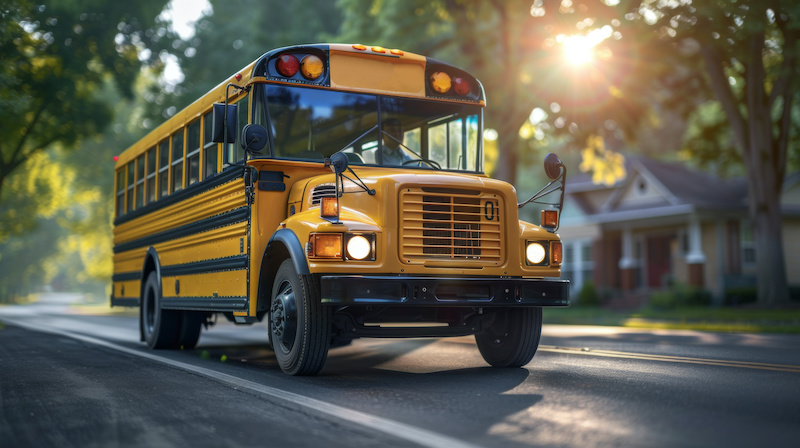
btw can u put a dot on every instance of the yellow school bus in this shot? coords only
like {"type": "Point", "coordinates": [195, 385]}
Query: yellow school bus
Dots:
{"type": "Point", "coordinates": [337, 191]}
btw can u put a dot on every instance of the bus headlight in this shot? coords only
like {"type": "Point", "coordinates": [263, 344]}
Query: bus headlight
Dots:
{"type": "Point", "coordinates": [535, 253]}
{"type": "Point", "coordinates": [360, 247]}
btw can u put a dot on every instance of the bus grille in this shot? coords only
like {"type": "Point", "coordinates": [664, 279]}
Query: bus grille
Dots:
{"type": "Point", "coordinates": [451, 224]}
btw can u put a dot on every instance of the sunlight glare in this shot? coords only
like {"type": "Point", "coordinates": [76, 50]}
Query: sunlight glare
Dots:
{"type": "Point", "coordinates": [578, 49]}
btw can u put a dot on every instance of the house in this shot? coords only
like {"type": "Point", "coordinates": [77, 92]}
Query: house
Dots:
{"type": "Point", "coordinates": [664, 224]}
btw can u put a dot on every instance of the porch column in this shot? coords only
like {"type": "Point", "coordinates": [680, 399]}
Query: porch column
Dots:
{"type": "Point", "coordinates": [695, 258]}
{"type": "Point", "coordinates": [627, 263]}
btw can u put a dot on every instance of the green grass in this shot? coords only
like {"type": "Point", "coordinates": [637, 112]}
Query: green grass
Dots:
{"type": "Point", "coordinates": [749, 320]}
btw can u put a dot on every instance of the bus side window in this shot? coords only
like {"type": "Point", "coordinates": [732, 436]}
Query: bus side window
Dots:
{"type": "Point", "coordinates": [151, 174]}
{"type": "Point", "coordinates": [163, 168]}
{"type": "Point", "coordinates": [120, 192]}
{"type": "Point", "coordinates": [210, 149]}
{"type": "Point", "coordinates": [193, 152]}
{"type": "Point", "coordinates": [140, 181]}
{"type": "Point", "coordinates": [235, 150]}
{"type": "Point", "coordinates": [131, 171]}
{"type": "Point", "coordinates": [177, 161]}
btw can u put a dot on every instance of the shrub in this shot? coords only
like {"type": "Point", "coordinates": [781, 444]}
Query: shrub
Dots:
{"type": "Point", "coordinates": [680, 295]}
{"type": "Point", "coordinates": [587, 296]}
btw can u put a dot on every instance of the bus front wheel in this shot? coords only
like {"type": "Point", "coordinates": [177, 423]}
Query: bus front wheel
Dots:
{"type": "Point", "coordinates": [300, 327]}
{"type": "Point", "coordinates": [512, 338]}
{"type": "Point", "coordinates": [167, 329]}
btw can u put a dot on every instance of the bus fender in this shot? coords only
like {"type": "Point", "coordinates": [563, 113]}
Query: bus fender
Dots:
{"type": "Point", "coordinates": [151, 263]}
{"type": "Point", "coordinates": [294, 246]}
{"type": "Point", "coordinates": [283, 244]}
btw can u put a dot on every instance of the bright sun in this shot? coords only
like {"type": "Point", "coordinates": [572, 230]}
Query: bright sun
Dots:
{"type": "Point", "coordinates": [578, 50]}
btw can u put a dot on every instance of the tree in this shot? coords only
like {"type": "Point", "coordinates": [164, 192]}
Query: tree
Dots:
{"type": "Point", "coordinates": [229, 39]}
{"type": "Point", "coordinates": [749, 51]}
{"type": "Point", "coordinates": [55, 57]}
{"type": "Point", "coordinates": [512, 48]}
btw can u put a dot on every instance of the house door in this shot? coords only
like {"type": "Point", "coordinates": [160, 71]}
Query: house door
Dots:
{"type": "Point", "coordinates": [659, 261]}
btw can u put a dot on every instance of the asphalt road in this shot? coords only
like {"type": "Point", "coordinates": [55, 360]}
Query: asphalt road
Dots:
{"type": "Point", "coordinates": [68, 379]}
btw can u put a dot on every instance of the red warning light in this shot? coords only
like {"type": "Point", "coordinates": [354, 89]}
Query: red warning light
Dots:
{"type": "Point", "coordinates": [238, 77]}
{"type": "Point", "coordinates": [116, 158]}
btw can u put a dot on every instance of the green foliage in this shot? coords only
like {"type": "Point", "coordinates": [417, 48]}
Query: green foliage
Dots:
{"type": "Point", "coordinates": [680, 296]}
{"type": "Point", "coordinates": [239, 31]}
{"type": "Point", "coordinates": [588, 296]}
{"type": "Point", "coordinates": [55, 58]}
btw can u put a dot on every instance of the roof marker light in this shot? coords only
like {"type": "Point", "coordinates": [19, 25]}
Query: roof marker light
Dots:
{"type": "Point", "coordinates": [378, 49]}
{"type": "Point", "coordinates": [396, 52]}
{"type": "Point", "coordinates": [360, 47]}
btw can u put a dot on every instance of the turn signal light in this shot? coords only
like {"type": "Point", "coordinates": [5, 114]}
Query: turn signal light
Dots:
{"type": "Point", "coordinates": [325, 245]}
{"type": "Point", "coordinates": [555, 252]}
{"type": "Point", "coordinates": [329, 207]}
{"type": "Point", "coordinates": [550, 218]}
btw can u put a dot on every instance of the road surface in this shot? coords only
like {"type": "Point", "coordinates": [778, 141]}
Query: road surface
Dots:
{"type": "Point", "coordinates": [71, 379]}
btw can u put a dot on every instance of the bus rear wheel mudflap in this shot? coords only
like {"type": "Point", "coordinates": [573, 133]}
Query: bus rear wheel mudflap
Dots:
{"type": "Point", "coordinates": [167, 329]}
{"type": "Point", "coordinates": [512, 339]}
{"type": "Point", "coordinates": [300, 327]}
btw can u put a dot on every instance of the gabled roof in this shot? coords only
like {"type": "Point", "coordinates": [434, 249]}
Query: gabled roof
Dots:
{"type": "Point", "coordinates": [661, 185]}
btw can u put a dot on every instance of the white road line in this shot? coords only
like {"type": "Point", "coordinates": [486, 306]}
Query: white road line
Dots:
{"type": "Point", "coordinates": [410, 433]}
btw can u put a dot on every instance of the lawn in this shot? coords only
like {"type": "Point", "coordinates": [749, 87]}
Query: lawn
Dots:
{"type": "Point", "coordinates": [723, 319]}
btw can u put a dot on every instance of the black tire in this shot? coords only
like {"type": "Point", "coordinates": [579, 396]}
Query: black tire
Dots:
{"type": "Point", "coordinates": [299, 326]}
{"type": "Point", "coordinates": [512, 338]}
{"type": "Point", "coordinates": [166, 329]}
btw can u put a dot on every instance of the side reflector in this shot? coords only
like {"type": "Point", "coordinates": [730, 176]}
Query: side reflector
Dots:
{"type": "Point", "coordinates": [329, 208]}
{"type": "Point", "coordinates": [440, 82]}
{"type": "Point", "coordinates": [550, 218]}
{"type": "Point", "coordinates": [326, 245]}
{"type": "Point", "coordinates": [555, 252]}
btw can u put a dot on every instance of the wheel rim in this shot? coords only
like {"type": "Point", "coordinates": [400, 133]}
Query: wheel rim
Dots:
{"type": "Point", "coordinates": [284, 317]}
{"type": "Point", "coordinates": [149, 311]}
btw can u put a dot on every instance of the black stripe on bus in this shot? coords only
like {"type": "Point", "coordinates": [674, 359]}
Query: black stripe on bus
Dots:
{"type": "Point", "coordinates": [124, 301]}
{"type": "Point", "coordinates": [198, 267]}
{"type": "Point", "coordinates": [227, 175]}
{"type": "Point", "coordinates": [230, 217]}
{"type": "Point", "coordinates": [127, 276]}
{"type": "Point", "coordinates": [204, 303]}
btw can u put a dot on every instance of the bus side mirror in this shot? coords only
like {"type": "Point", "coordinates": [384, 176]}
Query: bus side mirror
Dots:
{"type": "Point", "coordinates": [254, 138]}
{"type": "Point", "coordinates": [218, 123]}
{"type": "Point", "coordinates": [553, 166]}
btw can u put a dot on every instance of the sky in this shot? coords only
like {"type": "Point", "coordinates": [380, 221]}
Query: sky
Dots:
{"type": "Point", "coordinates": [183, 14]}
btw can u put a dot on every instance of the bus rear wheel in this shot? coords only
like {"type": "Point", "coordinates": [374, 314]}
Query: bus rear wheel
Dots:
{"type": "Point", "coordinates": [512, 338]}
{"type": "Point", "coordinates": [167, 329]}
{"type": "Point", "coordinates": [300, 327]}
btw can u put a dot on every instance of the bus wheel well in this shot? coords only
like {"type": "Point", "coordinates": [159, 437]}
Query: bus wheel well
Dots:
{"type": "Point", "coordinates": [275, 254]}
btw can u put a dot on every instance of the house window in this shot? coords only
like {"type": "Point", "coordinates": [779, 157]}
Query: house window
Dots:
{"type": "Point", "coordinates": [748, 245]}
{"type": "Point", "coordinates": [578, 265]}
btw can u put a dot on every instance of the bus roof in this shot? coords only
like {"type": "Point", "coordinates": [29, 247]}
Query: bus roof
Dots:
{"type": "Point", "coordinates": [356, 67]}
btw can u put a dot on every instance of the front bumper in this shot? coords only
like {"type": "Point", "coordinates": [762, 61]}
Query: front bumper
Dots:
{"type": "Point", "coordinates": [438, 291]}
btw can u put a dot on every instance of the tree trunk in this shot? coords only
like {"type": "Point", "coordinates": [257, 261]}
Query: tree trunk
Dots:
{"type": "Point", "coordinates": [773, 286]}
{"type": "Point", "coordinates": [507, 160]}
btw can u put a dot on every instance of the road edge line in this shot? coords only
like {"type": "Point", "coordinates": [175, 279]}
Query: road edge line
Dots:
{"type": "Point", "coordinates": [393, 428]}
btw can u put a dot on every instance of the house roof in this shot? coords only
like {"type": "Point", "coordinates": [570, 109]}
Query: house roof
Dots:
{"type": "Point", "coordinates": [653, 188]}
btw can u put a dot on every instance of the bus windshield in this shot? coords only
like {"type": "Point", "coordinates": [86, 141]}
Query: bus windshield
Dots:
{"type": "Point", "coordinates": [312, 124]}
